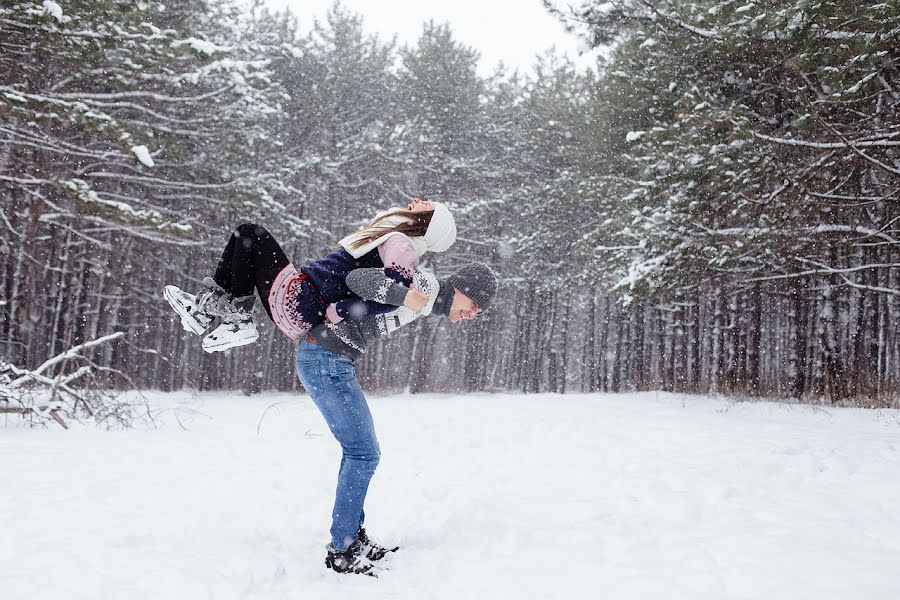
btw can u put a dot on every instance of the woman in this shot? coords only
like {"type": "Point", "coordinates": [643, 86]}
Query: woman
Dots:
{"type": "Point", "coordinates": [297, 300]}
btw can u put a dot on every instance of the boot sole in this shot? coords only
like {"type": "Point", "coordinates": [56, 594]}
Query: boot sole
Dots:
{"type": "Point", "coordinates": [187, 321]}
{"type": "Point", "coordinates": [213, 346]}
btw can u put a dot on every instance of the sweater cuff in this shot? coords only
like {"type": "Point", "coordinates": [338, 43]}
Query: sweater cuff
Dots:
{"type": "Point", "coordinates": [396, 294]}
{"type": "Point", "coordinates": [332, 314]}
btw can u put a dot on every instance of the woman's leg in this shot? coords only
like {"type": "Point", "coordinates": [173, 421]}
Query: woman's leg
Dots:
{"type": "Point", "coordinates": [330, 380]}
{"type": "Point", "coordinates": [251, 260]}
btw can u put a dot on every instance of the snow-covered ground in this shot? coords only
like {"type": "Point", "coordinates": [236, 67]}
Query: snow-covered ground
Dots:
{"type": "Point", "coordinates": [491, 496]}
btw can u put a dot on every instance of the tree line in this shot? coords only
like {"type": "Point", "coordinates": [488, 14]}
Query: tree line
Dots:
{"type": "Point", "coordinates": [714, 209]}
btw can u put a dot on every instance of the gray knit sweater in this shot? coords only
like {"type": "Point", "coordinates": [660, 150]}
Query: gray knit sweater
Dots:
{"type": "Point", "coordinates": [352, 337]}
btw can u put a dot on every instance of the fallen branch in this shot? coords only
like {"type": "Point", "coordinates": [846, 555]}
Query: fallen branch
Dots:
{"type": "Point", "coordinates": [72, 391]}
{"type": "Point", "coordinates": [53, 413]}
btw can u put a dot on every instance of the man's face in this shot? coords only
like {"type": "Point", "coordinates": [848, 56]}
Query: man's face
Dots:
{"type": "Point", "coordinates": [463, 308]}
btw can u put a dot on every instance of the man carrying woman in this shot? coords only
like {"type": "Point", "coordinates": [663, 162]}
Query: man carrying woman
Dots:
{"type": "Point", "coordinates": [336, 307]}
{"type": "Point", "coordinates": [296, 300]}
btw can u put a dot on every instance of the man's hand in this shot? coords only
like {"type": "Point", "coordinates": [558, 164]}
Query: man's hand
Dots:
{"type": "Point", "coordinates": [415, 300]}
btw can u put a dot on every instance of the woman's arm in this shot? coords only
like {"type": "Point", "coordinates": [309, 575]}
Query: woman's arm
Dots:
{"type": "Point", "coordinates": [380, 291]}
{"type": "Point", "coordinates": [400, 263]}
{"type": "Point", "coordinates": [398, 255]}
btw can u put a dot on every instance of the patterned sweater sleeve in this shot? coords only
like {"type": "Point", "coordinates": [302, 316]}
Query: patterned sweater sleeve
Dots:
{"type": "Point", "coordinates": [381, 290]}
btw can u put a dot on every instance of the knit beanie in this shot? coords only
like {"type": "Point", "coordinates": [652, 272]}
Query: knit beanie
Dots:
{"type": "Point", "coordinates": [477, 281]}
{"type": "Point", "coordinates": [441, 232]}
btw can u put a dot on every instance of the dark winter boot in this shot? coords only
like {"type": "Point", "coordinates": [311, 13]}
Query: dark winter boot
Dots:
{"type": "Point", "coordinates": [372, 550]}
{"type": "Point", "coordinates": [351, 560]}
{"type": "Point", "coordinates": [237, 328]}
{"type": "Point", "coordinates": [197, 311]}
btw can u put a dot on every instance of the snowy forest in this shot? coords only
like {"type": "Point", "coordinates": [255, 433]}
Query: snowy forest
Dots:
{"type": "Point", "coordinates": [715, 209]}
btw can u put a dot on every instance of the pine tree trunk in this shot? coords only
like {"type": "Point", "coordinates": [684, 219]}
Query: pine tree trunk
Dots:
{"type": "Point", "coordinates": [601, 381]}
{"type": "Point", "coordinates": [636, 365]}
{"type": "Point", "coordinates": [716, 357]}
{"type": "Point", "coordinates": [754, 334]}
{"type": "Point", "coordinates": [696, 366]}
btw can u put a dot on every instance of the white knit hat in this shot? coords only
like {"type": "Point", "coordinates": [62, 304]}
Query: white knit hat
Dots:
{"type": "Point", "coordinates": [441, 232]}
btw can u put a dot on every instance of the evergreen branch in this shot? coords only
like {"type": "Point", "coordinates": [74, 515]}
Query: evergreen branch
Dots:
{"type": "Point", "coordinates": [149, 95]}
{"type": "Point", "coordinates": [843, 138]}
{"type": "Point", "coordinates": [827, 145]}
{"type": "Point", "coordinates": [165, 183]}
{"type": "Point", "coordinates": [708, 34]}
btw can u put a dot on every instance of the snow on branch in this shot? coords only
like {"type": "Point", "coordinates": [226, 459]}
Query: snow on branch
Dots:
{"type": "Point", "coordinates": [698, 31]}
{"type": "Point", "coordinates": [822, 269]}
{"type": "Point", "coordinates": [73, 391]}
{"type": "Point", "coordinates": [825, 145]}
{"type": "Point", "coordinates": [55, 10]}
{"type": "Point", "coordinates": [68, 354]}
{"type": "Point", "coordinates": [201, 46]}
{"type": "Point", "coordinates": [146, 95]}
{"type": "Point", "coordinates": [143, 155]}
{"type": "Point", "coordinates": [827, 270]}
{"type": "Point", "coordinates": [854, 146]}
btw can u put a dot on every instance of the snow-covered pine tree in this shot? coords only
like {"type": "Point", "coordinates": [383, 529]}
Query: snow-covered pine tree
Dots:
{"type": "Point", "coordinates": [112, 130]}
{"type": "Point", "coordinates": [764, 132]}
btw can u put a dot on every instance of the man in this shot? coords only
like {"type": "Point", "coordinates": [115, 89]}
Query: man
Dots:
{"type": "Point", "coordinates": [325, 366]}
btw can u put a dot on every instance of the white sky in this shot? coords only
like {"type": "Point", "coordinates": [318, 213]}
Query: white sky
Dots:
{"type": "Point", "coordinates": [512, 31]}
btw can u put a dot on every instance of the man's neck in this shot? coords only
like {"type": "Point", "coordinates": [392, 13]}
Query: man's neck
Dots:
{"type": "Point", "coordinates": [444, 300]}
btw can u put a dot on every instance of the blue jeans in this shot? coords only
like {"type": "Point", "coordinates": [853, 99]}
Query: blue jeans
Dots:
{"type": "Point", "coordinates": [330, 380]}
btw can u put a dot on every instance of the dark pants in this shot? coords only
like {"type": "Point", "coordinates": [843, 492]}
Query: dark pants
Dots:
{"type": "Point", "coordinates": [251, 260]}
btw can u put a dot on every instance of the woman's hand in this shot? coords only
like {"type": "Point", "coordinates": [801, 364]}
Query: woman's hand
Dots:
{"type": "Point", "coordinates": [415, 300]}
{"type": "Point", "coordinates": [331, 314]}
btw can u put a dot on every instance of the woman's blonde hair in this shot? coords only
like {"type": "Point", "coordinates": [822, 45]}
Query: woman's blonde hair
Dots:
{"type": "Point", "coordinates": [414, 225]}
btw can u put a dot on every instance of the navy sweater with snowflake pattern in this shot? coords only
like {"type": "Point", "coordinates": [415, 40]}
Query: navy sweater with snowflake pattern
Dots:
{"type": "Point", "coordinates": [352, 337]}
{"type": "Point", "coordinates": [394, 259]}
